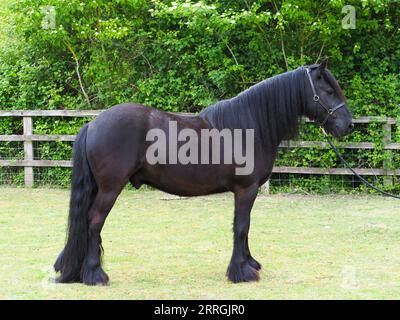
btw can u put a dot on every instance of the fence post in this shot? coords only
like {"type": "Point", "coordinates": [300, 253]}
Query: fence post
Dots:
{"type": "Point", "coordinates": [387, 162]}
{"type": "Point", "coordinates": [28, 151]}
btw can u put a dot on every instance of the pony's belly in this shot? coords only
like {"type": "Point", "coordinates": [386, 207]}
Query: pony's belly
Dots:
{"type": "Point", "coordinates": [188, 192]}
{"type": "Point", "coordinates": [190, 180]}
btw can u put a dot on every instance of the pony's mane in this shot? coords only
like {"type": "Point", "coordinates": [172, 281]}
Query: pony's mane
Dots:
{"type": "Point", "coordinates": [271, 107]}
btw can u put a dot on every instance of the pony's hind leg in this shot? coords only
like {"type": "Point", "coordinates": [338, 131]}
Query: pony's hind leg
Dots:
{"type": "Point", "coordinates": [242, 267]}
{"type": "Point", "coordinates": [91, 272]}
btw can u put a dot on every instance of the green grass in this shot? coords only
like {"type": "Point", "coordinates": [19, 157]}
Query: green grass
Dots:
{"type": "Point", "coordinates": [160, 247]}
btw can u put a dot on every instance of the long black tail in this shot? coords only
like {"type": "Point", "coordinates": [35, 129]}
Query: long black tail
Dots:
{"type": "Point", "coordinates": [83, 192]}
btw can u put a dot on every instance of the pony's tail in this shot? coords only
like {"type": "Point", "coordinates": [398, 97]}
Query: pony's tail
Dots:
{"type": "Point", "coordinates": [83, 192]}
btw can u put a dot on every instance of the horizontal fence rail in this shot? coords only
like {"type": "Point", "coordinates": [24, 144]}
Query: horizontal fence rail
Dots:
{"type": "Point", "coordinates": [28, 163]}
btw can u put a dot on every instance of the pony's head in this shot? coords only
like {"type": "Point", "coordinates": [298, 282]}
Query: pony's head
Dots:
{"type": "Point", "coordinates": [325, 101]}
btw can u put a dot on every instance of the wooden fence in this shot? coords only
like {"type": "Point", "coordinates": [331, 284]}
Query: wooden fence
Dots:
{"type": "Point", "coordinates": [29, 162]}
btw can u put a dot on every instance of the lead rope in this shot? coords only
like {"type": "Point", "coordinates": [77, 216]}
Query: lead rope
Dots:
{"type": "Point", "coordinates": [354, 172]}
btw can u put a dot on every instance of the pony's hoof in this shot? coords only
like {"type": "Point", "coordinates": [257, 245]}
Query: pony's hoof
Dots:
{"type": "Point", "coordinates": [94, 277]}
{"type": "Point", "coordinates": [254, 264]}
{"type": "Point", "coordinates": [68, 278]}
{"type": "Point", "coordinates": [59, 262]}
{"type": "Point", "coordinates": [242, 272]}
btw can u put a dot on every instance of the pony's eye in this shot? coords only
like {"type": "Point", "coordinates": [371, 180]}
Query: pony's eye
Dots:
{"type": "Point", "coordinates": [329, 91]}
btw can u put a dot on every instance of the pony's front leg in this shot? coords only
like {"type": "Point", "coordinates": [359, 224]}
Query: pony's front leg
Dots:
{"type": "Point", "coordinates": [242, 267]}
{"type": "Point", "coordinates": [253, 262]}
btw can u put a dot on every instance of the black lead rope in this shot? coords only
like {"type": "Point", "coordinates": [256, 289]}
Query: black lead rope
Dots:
{"type": "Point", "coordinates": [354, 172]}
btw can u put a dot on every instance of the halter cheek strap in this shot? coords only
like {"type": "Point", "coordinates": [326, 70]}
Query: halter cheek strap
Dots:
{"type": "Point", "coordinates": [330, 111]}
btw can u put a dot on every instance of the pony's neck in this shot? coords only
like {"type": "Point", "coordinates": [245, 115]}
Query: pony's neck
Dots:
{"type": "Point", "coordinates": [285, 105]}
{"type": "Point", "coordinates": [272, 108]}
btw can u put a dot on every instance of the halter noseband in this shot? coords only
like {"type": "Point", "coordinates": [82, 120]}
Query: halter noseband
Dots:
{"type": "Point", "coordinates": [330, 111]}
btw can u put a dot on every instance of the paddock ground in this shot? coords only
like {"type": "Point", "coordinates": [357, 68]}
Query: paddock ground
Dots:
{"type": "Point", "coordinates": [160, 247]}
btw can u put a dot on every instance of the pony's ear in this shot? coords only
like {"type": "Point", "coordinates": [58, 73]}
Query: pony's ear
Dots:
{"type": "Point", "coordinates": [322, 65]}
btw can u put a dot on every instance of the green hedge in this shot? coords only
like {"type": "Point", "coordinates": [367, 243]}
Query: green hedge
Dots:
{"type": "Point", "coordinates": [185, 55]}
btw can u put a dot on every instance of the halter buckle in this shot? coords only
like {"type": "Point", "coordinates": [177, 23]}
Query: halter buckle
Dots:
{"type": "Point", "coordinates": [316, 97]}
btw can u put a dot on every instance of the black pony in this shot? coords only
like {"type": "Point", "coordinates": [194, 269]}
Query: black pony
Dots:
{"type": "Point", "coordinates": [110, 151]}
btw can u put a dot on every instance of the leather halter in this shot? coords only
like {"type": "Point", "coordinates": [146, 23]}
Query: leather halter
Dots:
{"type": "Point", "coordinates": [330, 111]}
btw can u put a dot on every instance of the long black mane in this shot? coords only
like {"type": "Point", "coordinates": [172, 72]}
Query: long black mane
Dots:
{"type": "Point", "coordinates": [271, 107]}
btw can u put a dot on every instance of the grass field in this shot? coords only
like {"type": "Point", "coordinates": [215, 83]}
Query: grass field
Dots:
{"type": "Point", "coordinates": [160, 247]}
